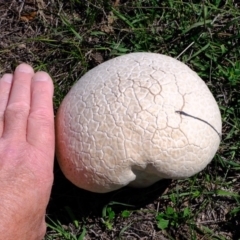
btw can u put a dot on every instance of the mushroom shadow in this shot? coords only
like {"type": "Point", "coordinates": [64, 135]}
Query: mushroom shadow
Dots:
{"type": "Point", "coordinates": [83, 204]}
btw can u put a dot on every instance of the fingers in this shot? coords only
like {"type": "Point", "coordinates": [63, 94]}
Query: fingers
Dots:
{"type": "Point", "coordinates": [40, 131]}
{"type": "Point", "coordinates": [5, 87]}
{"type": "Point", "coordinates": [17, 109]}
{"type": "Point", "coordinates": [26, 108]}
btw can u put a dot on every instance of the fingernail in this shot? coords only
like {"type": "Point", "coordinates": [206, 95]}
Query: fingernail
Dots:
{"type": "Point", "coordinates": [24, 68]}
{"type": "Point", "coordinates": [7, 77]}
{"type": "Point", "coordinates": [41, 76]}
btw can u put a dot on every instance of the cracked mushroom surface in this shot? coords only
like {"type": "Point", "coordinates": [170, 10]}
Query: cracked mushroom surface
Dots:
{"type": "Point", "coordinates": [134, 120]}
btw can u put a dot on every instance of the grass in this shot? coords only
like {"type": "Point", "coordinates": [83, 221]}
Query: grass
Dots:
{"type": "Point", "coordinates": [71, 37]}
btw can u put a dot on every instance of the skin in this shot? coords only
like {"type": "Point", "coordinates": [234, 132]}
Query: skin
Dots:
{"type": "Point", "coordinates": [26, 152]}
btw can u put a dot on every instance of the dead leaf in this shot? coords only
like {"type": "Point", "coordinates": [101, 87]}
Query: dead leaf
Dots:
{"type": "Point", "coordinates": [116, 3]}
{"type": "Point", "coordinates": [28, 16]}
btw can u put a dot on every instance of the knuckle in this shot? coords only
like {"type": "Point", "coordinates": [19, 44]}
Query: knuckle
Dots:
{"type": "Point", "coordinates": [41, 116]}
{"type": "Point", "coordinates": [17, 110]}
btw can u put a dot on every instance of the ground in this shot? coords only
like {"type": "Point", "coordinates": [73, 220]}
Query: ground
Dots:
{"type": "Point", "coordinates": [67, 38]}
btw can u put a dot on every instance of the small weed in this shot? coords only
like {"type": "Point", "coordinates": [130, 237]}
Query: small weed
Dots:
{"type": "Point", "coordinates": [76, 232]}
{"type": "Point", "coordinates": [126, 214]}
{"type": "Point", "coordinates": [59, 230]}
{"type": "Point", "coordinates": [230, 72]}
{"type": "Point", "coordinates": [172, 217]}
{"type": "Point", "coordinates": [108, 214]}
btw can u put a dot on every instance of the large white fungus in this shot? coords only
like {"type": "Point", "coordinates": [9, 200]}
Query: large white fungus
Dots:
{"type": "Point", "coordinates": [134, 120]}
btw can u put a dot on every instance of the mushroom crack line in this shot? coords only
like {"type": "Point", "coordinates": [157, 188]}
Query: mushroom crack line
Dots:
{"type": "Point", "coordinates": [202, 120]}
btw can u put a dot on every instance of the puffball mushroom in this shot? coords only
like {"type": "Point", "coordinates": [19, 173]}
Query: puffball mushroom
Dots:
{"type": "Point", "coordinates": [134, 120]}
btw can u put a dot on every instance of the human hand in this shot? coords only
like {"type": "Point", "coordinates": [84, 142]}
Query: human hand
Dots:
{"type": "Point", "coordinates": [26, 152]}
